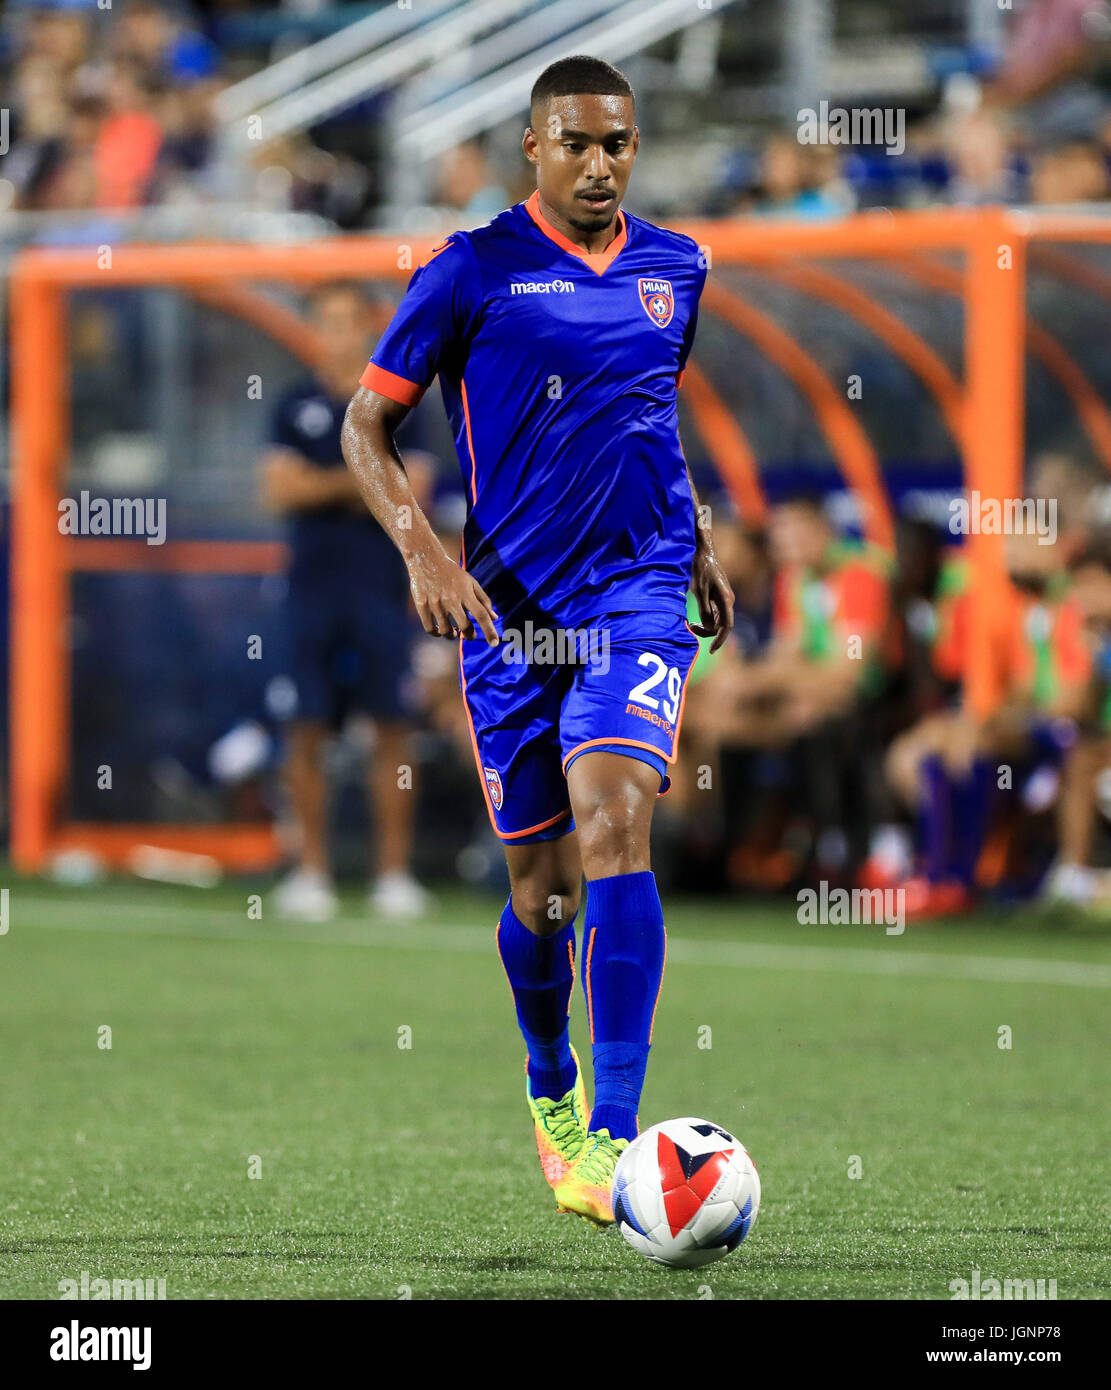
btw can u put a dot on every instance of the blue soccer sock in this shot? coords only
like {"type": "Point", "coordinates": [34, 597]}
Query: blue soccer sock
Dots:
{"type": "Point", "coordinates": [624, 945]}
{"type": "Point", "coordinates": [541, 973]}
{"type": "Point", "coordinates": [972, 804]}
{"type": "Point", "coordinates": [935, 819]}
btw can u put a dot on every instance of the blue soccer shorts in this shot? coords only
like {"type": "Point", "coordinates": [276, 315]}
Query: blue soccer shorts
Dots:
{"type": "Point", "coordinates": [545, 697]}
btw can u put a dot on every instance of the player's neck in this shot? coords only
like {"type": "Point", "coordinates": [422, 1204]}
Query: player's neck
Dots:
{"type": "Point", "coordinates": [591, 242]}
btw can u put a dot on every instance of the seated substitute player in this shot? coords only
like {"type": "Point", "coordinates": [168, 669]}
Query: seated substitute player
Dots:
{"type": "Point", "coordinates": [1073, 880]}
{"type": "Point", "coordinates": [813, 690]}
{"type": "Point", "coordinates": [346, 617]}
{"type": "Point", "coordinates": [559, 332]}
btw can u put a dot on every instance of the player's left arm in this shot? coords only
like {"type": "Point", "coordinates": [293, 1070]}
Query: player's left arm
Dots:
{"type": "Point", "coordinates": [709, 584]}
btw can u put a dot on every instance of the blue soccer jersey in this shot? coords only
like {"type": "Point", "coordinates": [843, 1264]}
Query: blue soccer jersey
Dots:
{"type": "Point", "coordinates": [559, 371]}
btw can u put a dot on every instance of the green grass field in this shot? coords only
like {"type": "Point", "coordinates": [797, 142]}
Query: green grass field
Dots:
{"type": "Point", "coordinates": [386, 1168]}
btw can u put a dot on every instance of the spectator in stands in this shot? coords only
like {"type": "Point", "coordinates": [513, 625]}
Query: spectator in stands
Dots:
{"type": "Point", "coordinates": [61, 36]}
{"type": "Point", "coordinates": [129, 138]}
{"type": "Point", "coordinates": [142, 35]}
{"type": "Point", "coordinates": [468, 187]}
{"type": "Point", "coordinates": [294, 173]}
{"type": "Point", "coordinates": [347, 616]}
{"type": "Point", "coordinates": [798, 181]}
{"type": "Point", "coordinates": [40, 125]}
{"type": "Point", "coordinates": [133, 94]}
{"type": "Point", "coordinates": [978, 147]}
{"type": "Point", "coordinates": [188, 127]}
{"type": "Point", "coordinates": [1071, 172]}
{"type": "Point", "coordinates": [1054, 44]}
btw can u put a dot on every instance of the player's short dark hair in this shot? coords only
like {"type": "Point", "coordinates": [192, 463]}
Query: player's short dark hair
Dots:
{"type": "Point", "coordinates": [570, 77]}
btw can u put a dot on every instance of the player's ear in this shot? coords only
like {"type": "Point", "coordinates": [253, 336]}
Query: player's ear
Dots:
{"type": "Point", "coordinates": [529, 144]}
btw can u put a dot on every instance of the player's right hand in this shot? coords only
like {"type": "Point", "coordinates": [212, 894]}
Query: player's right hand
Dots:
{"type": "Point", "coordinates": [449, 602]}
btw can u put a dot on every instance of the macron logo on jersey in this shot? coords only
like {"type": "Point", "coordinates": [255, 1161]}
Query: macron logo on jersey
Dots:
{"type": "Point", "coordinates": [542, 287]}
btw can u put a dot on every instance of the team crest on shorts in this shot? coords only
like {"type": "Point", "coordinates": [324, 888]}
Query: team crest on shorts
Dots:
{"type": "Point", "coordinates": [493, 782]}
{"type": "Point", "coordinates": [658, 301]}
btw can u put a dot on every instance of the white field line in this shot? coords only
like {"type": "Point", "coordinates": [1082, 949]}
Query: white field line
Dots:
{"type": "Point", "coordinates": [891, 958]}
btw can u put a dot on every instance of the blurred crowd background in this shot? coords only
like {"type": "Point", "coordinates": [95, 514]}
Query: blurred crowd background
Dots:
{"type": "Point", "coordinates": [127, 107]}
{"type": "Point", "coordinates": [159, 121]}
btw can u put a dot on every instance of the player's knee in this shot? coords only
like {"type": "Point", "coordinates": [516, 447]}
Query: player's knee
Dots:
{"type": "Point", "coordinates": [900, 763]}
{"type": "Point", "coordinates": [614, 830]}
{"type": "Point", "coordinates": [544, 904]}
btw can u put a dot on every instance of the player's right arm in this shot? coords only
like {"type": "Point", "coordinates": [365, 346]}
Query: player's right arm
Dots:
{"type": "Point", "coordinates": [432, 325]}
{"type": "Point", "coordinates": [448, 600]}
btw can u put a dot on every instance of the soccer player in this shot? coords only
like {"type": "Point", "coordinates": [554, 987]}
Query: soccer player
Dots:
{"type": "Point", "coordinates": [949, 763]}
{"type": "Point", "coordinates": [559, 332]}
{"type": "Point", "coordinates": [1072, 879]}
{"type": "Point", "coordinates": [813, 690]}
{"type": "Point", "coordinates": [345, 616]}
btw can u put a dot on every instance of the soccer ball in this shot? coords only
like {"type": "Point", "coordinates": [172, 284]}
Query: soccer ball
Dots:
{"type": "Point", "coordinates": [685, 1193]}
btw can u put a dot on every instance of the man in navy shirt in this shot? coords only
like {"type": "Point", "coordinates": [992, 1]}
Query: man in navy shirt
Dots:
{"type": "Point", "coordinates": [346, 616]}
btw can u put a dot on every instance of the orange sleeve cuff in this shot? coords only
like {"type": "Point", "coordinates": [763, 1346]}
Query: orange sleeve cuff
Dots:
{"type": "Point", "coordinates": [397, 388]}
{"type": "Point", "coordinates": [679, 378]}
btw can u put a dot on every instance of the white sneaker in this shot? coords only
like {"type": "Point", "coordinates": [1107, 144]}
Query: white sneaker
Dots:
{"type": "Point", "coordinates": [1070, 883]}
{"type": "Point", "coordinates": [398, 894]}
{"type": "Point", "coordinates": [307, 895]}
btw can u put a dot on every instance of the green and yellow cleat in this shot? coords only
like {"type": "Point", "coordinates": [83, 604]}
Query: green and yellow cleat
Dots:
{"type": "Point", "coordinates": [586, 1188]}
{"type": "Point", "coordinates": [561, 1126]}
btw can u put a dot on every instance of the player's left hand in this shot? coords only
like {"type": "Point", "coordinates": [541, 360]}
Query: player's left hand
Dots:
{"type": "Point", "coordinates": [715, 598]}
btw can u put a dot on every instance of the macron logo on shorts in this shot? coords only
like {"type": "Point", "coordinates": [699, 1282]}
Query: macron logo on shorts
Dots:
{"type": "Point", "coordinates": [542, 287]}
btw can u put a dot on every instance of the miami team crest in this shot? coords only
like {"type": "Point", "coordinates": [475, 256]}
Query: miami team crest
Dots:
{"type": "Point", "coordinates": [493, 783]}
{"type": "Point", "coordinates": [658, 301]}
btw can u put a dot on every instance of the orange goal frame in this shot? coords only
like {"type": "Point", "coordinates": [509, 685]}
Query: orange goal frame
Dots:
{"type": "Point", "coordinates": [984, 412]}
